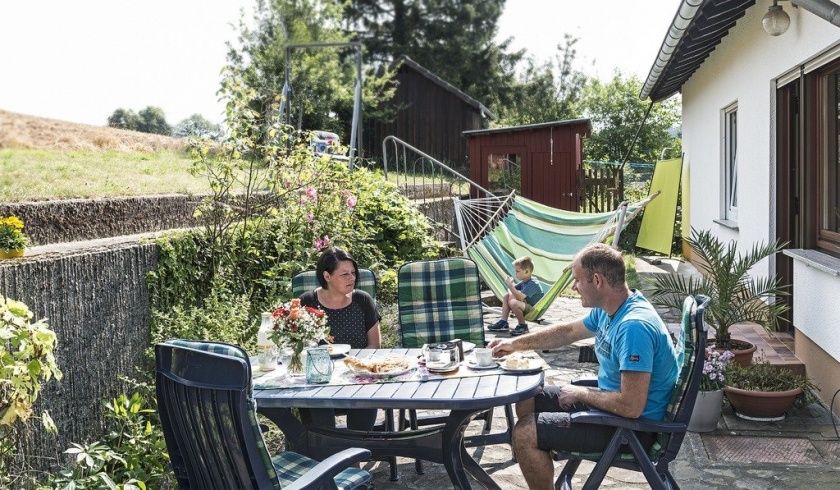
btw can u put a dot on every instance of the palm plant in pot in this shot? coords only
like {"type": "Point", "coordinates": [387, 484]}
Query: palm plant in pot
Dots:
{"type": "Point", "coordinates": [736, 297]}
{"type": "Point", "coordinates": [765, 392]}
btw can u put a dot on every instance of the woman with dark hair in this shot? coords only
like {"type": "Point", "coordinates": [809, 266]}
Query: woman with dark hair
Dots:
{"type": "Point", "coordinates": [352, 318]}
{"type": "Point", "coordinates": [351, 313]}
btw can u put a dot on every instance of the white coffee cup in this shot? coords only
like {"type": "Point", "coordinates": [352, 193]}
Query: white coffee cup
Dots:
{"type": "Point", "coordinates": [483, 356]}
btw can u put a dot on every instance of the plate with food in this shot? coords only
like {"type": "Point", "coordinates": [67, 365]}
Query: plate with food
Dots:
{"type": "Point", "coordinates": [515, 364]}
{"type": "Point", "coordinates": [338, 350]}
{"type": "Point", "coordinates": [381, 368]}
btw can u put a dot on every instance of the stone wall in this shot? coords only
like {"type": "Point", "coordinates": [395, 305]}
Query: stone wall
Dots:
{"type": "Point", "coordinates": [84, 219]}
{"type": "Point", "coordinates": [97, 302]}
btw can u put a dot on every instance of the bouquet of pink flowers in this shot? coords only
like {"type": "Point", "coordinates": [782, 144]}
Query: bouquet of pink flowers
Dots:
{"type": "Point", "coordinates": [297, 326]}
{"type": "Point", "coordinates": [714, 368]}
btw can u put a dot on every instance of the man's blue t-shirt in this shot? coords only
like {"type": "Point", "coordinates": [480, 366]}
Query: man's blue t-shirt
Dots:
{"type": "Point", "coordinates": [531, 289]}
{"type": "Point", "coordinates": [635, 339]}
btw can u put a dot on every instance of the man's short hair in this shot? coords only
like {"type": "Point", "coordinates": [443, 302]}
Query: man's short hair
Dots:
{"type": "Point", "coordinates": [524, 262]}
{"type": "Point", "coordinates": [604, 260]}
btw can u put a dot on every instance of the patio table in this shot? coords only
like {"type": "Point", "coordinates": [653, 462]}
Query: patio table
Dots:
{"type": "Point", "coordinates": [463, 397]}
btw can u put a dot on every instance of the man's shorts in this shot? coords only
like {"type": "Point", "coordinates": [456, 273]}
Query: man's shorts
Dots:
{"type": "Point", "coordinates": [556, 432]}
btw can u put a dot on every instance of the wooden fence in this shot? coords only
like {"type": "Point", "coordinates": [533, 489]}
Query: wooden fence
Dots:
{"type": "Point", "coordinates": [602, 189]}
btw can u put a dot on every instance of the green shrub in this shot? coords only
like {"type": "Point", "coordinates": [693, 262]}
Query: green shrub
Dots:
{"type": "Point", "coordinates": [132, 455]}
{"type": "Point", "coordinates": [763, 376]}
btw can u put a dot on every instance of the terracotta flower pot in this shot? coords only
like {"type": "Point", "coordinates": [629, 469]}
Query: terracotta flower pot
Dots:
{"type": "Point", "coordinates": [761, 405]}
{"type": "Point", "coordinates": [743, 351]}
{"type": "Point", "coordinates": [13, 253]}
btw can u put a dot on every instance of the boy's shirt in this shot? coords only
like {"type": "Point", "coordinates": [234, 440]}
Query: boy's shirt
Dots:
{"type": "Point", "coordinates": [531, 289]}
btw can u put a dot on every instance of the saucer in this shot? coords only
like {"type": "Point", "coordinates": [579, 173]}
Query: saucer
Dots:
{"type": "Point", "coordinates": [474, 365]}
{"type": "Point", "coordinates": [437, 367]}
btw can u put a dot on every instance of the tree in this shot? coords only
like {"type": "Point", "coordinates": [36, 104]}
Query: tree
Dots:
{"type": "Point", "coordinates": [152, 120]}
{"type": "Point", "coordinates": [124, 119]}
{"type": "Point", "coordinates": [616, 112]}
{"type": "Point", "coordinates": [546, 92]}
{"type": "Point", "coordinates": [196, 125]}
{"type": "Point", "coordinates": [452, 38]}
{"type": "Point", "coordinates": [322, 79]}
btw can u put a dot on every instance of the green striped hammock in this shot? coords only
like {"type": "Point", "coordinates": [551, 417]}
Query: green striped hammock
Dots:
{"type": "Point", "coordinates": [550, 236]}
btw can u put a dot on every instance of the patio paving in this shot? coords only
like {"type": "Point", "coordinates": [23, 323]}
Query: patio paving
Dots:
{"type": "Point", "coordinates": [803, 451]}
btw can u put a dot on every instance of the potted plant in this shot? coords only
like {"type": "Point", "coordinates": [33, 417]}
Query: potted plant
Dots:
{"type": "Point", "coordinates": [736, 297]}
{"type": "Point", "coordinates": [765, 392]}
{"type": "Point", "coordinates": [706, 412]}
{"type": "Point", "coordinates": [12, 240]}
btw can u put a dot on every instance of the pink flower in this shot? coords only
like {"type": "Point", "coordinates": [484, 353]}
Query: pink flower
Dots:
{"type": "Point", "coordinates": [321, 243]}
{"type": "Point", "coordinates": [310, 218]}
{"type": "Point", "coordinates": [351, 201]}
{"type": "Point", "coordinates": [311, 193]}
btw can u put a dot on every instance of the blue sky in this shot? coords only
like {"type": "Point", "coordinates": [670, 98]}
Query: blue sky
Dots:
{"type": "Point", "coordinates": [78, 61]}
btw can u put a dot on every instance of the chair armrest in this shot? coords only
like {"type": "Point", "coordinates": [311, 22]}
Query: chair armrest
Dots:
{"type": "Point", "coordinates": [598, 417]}
{"type": "Point", "coordinates": [593, 382]}
{"type": "Point", "coordinates": [321, 476]}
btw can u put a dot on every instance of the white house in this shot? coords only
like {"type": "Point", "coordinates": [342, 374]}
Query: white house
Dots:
{"type": "Point", "coordinates": [761, 136]}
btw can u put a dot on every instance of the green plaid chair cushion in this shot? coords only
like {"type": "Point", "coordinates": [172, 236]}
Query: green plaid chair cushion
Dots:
{"type": "Point", "coordinates": [214, 347]}
{"type": "Point", "coordinates": [307, 281]}
{"type": "Point", "coordinates": [654, 452]}
{"type": "Point", "coordinates": [685, 356]}
{"type": "Point", "coordinates": [439, 300]}
{"type": "Point", "coordinates": [291, 466]}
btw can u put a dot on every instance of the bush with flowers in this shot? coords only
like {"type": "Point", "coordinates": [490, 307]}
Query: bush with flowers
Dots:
{"type": "Point", "coordinates": [11, 234]}
{"type": "Point", "coordinates": [714, 369]}
{"type": "Point", "coordinates": [296, 326]}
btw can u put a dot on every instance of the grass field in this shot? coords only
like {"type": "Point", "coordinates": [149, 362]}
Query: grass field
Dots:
{"type": "Point", "coordinates": [28, 174]}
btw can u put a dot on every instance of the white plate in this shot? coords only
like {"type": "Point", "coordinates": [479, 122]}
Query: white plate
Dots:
{"type": "Point", "coordinates": [435, 367]}
{"type": "Point", "coordinates": [534, 365]}
{"type": "Point", "coordinates": [473, 365]}
{"type": "Point", "coordinates": [468, 346]}
{"type": "Point", "coordinates": [389, 374]}
{"type": "Point", "coordinates": [338, 350]}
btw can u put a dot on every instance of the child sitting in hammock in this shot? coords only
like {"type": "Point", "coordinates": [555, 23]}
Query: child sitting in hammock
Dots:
{"type": "Point", "coordinates": [520, 298]}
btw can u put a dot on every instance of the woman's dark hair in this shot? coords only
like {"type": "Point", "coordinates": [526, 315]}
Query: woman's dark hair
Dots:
{"type": "Point", "coordinates": [328, 262]}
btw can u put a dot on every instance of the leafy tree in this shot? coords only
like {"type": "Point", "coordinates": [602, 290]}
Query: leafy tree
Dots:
{"type": "Point", "coordinates": [546, 92]}
{"type": "Point", "coordinates": [124, 119]}
{"type": "Point", "coordinates": [152, 120]}
{"type": "Point", "coordinates": [196, 125]}
{"type": "Point", "coordinates": [453, 38]}
{"type": "Point", "coordinates": [616, 112]}
{"type": "Point", "coordinates": [322, 79]}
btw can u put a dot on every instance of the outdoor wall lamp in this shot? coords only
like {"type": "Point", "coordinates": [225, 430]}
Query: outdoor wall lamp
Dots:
{"type": "Point", "coordinates": [776, 21]}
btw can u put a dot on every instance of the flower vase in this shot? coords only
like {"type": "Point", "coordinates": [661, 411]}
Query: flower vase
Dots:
{"type": "Point", "coordinates": [11, 253]}
{"type": "Point", "coordinates": [706, 412]}
{"type": "Point", "coordinates": [295, 366]}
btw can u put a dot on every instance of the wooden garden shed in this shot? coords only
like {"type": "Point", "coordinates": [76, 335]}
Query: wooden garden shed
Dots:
{"type": "Point", "coordinates": [431, 115]}
{"type": "Point", "coordinates": [543, 161]}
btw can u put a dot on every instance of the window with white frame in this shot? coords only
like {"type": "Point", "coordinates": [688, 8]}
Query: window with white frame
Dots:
{"type": "Point", "coordinates": [730, 164]}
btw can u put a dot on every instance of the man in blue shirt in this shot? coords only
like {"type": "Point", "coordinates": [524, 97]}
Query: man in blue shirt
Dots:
{"type": "Point", "coordinates": [637, 372]}
{"type": "Point", "coordinates": [520, 298]}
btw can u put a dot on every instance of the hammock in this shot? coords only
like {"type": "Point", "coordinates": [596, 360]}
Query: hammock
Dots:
{"type": "Point", "coordinates": [551, 237]}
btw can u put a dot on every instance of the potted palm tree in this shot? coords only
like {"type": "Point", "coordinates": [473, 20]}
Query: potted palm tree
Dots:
{"type": "Point", "coordinates": [736, 297]}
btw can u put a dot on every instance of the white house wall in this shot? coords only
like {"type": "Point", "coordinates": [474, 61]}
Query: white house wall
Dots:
{"type": "Point", "coordinates": [743, 69]}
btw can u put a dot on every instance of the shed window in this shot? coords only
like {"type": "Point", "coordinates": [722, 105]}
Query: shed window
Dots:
{"type": "Point", "coordinates": [730, 164]}
{"type": "Point", "coordinates": [504, 172]}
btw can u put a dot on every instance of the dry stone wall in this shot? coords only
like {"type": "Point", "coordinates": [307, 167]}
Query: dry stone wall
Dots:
{"type": "Point", "coordinates": [84, 219]}
{"type": "Point", "coordinates": [97, 302]}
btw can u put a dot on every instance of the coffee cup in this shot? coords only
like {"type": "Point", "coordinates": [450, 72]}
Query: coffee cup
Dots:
{"type": "Point", "coordinates": [483, 356]}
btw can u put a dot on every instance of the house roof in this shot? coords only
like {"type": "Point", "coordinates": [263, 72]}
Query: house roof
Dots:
{"type": "Point", "coordinates": [405, 60]}
{"type": "Point", "coordinates": [698, 27]}
{"type": "Point", "coordinates": [525, 127]}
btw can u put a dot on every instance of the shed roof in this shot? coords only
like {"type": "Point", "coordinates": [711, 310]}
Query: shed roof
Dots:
{"type": "Point", "coordinates": [527, 127]}
{"type": "Point", "coordinates": [405, 60]}
{"type": "Point", "coordinates": [698, 27]}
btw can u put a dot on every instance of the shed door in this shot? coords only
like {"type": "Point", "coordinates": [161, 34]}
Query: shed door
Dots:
{"type": "Point", "coordinates": [552, 181]}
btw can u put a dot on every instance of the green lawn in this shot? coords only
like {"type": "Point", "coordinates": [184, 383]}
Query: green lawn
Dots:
{"type": "Point", "coordinates": [41, 174]}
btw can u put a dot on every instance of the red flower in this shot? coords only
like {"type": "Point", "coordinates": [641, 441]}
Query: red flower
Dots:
{"type": "Point", "coordinates": [315, 311]}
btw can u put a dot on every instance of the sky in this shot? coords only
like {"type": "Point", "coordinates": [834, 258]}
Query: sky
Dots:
{"type": "Point", "coordinates": [78, 61]}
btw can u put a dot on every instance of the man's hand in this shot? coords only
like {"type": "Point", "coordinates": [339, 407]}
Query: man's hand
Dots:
{"type": "Point", "coordinates": [502, 347]}
{"type": "Point", "coordinates": [569, 395]}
